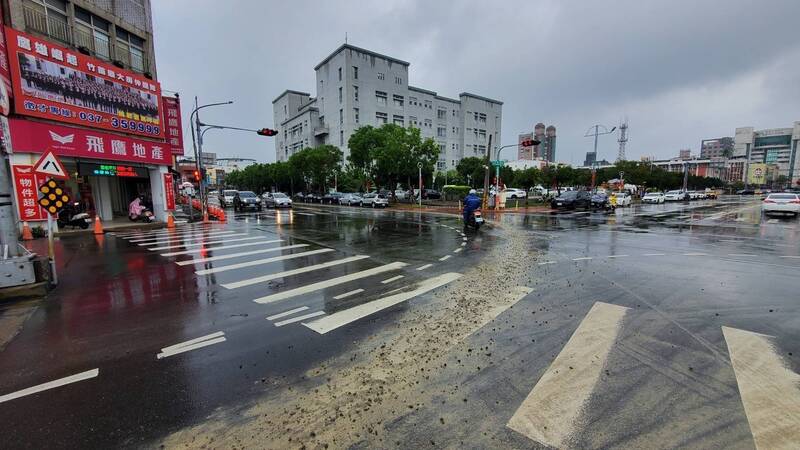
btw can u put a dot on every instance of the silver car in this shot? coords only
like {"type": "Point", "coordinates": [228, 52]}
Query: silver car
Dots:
{"type": "Point", "coordinates": [226, 199]}
{"type": "Point", "coordinates": [277, 200]}
{"type": "Point", "coordinates": [350, 200]}
{"type": "Point", "coordinates": [374, 200]}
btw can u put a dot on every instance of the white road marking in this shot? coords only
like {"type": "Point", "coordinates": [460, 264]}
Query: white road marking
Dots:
{"type": "Point", "coordinates": [389, 280]}
{"type": "Point", "coordinates": [51, 384]}
{"type": "Point", "coordinates": [287, 313]}
{"type": "Point", "coordinates": [424, 267]}
{"type": "Point", "coordinates": [348, 294]}
{"type": "Point", "coordinates": [583, 258]}
{"type": "Point", "coordinates": [192, 344]}
{"type": "Point", "coordinates": [237, 255]}
{"type": "Point", "coordinates": [546, 262]}
{"type": "Point", "coordinates": [463, 238]}
{"type": "Point", "coordinates": [791, 257]}
{"type": "Point", "coordinates": [299, 318]}
{"type": "Point", "coordinates": [770, 391]}
{"type": "Point", "coordinates": [616, 256]}
{"type": "Point", "coordinates": [258, 262]}
{"type": "Point", "coordinates": [170, 247]}
{"type": "Point", "coordinates": [551, 412]}
{"type": "Point", "coordinates": [223, 247]}
{"type": "Point", "coordinates": [148, 233]}
{"type": "Point", "coordinates": [305, 214]}
{"type": "Point", "coordinates": [445, 257]}
{"type": "Point", "coordinates": [185, 236]}
{"type": "Point", "coordinates": [695, 254]}
{"type": "Point", "coordinates": [289, 273]}
{"type": "Point", "coordinates": [743, 255]}
{"type": "Point", "coordinates": [342, 318]}
{"type": "Point", "coordinates": [329, 283]}
{"type": "Point", "coordinates": [458, 250]}
{"type": "Point", "coordinates": [772, 221]}
{"type": "Point", "coordinates": [463, 244]}
{"type": "Point", "coordinates": [655, 254]}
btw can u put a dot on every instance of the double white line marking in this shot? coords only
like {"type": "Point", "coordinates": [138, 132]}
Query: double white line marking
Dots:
{"type": "Point", "coordinates": [204, 341]}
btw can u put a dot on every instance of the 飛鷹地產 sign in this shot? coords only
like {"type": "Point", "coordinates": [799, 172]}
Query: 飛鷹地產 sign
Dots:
{"type": "Point", "coordinates": [57, 83]}
{"type": "Point", "coordinates": [28, 136]}
{"type": "Point", "coordinates": [172, 123]}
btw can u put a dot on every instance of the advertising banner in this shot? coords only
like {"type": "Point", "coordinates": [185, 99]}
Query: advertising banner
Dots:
{"type": "Point", "coordinates": [57, 83]}
{"type": "Point", "coordinates": [28, 136]}
{"type": "Point", "coordinates": [757, 173]}
{"type": "Point", "coordinates": [172, 123]}
{"type": "Point", "coordinates": [5, 72]}
{"type": "Point", "coordinates": [26, 184]}
{"type": "Point", "coordinates": [169, 192]}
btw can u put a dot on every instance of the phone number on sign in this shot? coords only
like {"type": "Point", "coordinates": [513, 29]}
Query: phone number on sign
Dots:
{"type": "Point", "coordinates": [126, 124]}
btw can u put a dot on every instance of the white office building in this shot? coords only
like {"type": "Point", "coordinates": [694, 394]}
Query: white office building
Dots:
{"type": "Point", "coordinates": [357, 87]}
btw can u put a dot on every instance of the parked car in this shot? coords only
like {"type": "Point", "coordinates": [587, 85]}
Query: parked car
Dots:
{"type": "Point", "coordinates": [400, 194]}
{"type": "Point", "coordinates": [431, 194]}
{"type": "Point", "coordinates": [311, 197]}
{"type": "Point", "coordinates": [277, 200]}
{"type": "Point", "coordinates": [694, 195]}
{"type": "Point", "coordinates": [512, 193]}
{"type": "Point", "coordinates": [331, 197]}
{"type": "Point", "coordinates": [711, 193]}
{"type": "Point", "coordinates": [226, 199]}
{"type": "Point", "coordinates": [653, 197]}
{"type": "Point", "coordinates": [350, 199]}
{"type": "Point", "coordinates": [746, 192]}
{"type": "Point", "coordinates": [676, 196]}
{"type": "Point", "coordinates": [623, 198]}
{"type": "Point", "coordinates": [375, 200]}
{"type": "Point", "coordinates": [244, 200]}
{"type": "Point", "coordinates": [781, 203]}
{"type": "Point", "coordinates": [572, 200]}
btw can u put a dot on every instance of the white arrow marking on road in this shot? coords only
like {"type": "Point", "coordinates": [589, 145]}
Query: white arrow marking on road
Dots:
{"type": "Point", "coordinates": [329, 283]}
{"type": "Point", "coordinates": [223, 247]}
{"type": "Point", "coordinates": [193, 344]}
{"type": "Point", "coordinates": [287, 313]}
{"type": "Point", "coordinates": [299, 318]}
{"type": "Point", "coordinates": [51, 384]}
{"type": "Point", "coordinates": [289, 273]}
{"type": "Point", "coordinates": [342, 318]}
{"type": "Point", "coordinates": [348, 294]}
{"type": "Point", "coordinates": [259, 262]}
{"type": "Point", "coordinates": [551, 412]}
{"type": "Point", "coordinates": [770, 391]}
{"type": "Point", "coordinates": [196, 244]}
{"type": "Point", "coordinates": [237, 255]}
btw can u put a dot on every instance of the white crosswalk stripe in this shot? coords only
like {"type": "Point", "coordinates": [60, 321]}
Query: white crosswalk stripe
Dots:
{"type": "Point", "coordinates": [187, 236]}
{"type": "Point", "coordinates": [237, 255]}
{"type": "Point", "coordinates": [287, 313]}
{"type": "Point", "coordinates": [299, 318]}
{"type": "Point", "coordinates": [287, 273]}
{"type": "Point", "coordinates": [222, 247]}
{"type": "Point", "coordinates": [258, 262]}
{"type": "Point", "coordinates": [329, 283]}
{"type": "Point", "coordinates": [197, 244]}
{"type": "Point", "coordinates": [180, 241]}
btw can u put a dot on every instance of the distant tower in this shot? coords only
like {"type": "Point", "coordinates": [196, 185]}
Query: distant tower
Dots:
{"type": "Point", "coordinates": [623, 139]}
{"type": "Point", "coordinates": [538, 134]}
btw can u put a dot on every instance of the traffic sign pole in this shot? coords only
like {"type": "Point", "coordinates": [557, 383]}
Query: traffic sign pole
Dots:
{"type": "Point", "coordinates": [51, 254]}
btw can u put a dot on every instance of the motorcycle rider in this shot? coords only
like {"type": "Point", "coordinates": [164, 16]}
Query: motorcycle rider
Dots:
{"type": "Point", "coordinates": [136, 207]}
{"type": "Point", "coordinates": [471, 203]}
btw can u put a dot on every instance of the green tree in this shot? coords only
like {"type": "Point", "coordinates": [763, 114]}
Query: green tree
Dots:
{"type": "Point", "coordinates": [471, 170]}
{"type": "Point", "coordinates": [316, 166]}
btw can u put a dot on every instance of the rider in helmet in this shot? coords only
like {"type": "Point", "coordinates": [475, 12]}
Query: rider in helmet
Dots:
{"type": "Point", "coordinates": [471, 203]}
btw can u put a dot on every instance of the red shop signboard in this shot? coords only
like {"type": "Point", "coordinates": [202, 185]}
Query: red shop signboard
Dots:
{"type": "Point", "coordinates": [57, 83]}
{"type": "Point", "coordinates": [26, 184]}
{"type": "Point", "coordinates": [172, 123]}
{"type": "Point", "coordinates": [169, 192]}
{"type": "Point", "coordinates": [28, 136]}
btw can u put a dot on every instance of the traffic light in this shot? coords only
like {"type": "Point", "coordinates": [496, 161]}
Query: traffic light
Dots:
{"type": "Point", "coordinates": [267, 132]}
{"type": "Point", "coordinates": [197, 175]}
{"type": "Point", "coordinates": [530, 143]}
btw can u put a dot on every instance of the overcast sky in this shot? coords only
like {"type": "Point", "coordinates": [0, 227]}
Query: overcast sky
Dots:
{"type": "Point", "coordinates": [680, 71]}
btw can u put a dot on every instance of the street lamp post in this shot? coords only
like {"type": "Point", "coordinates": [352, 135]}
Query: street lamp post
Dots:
{"type": "Point", "coordinates": [197, 146]}
{"type": "Point", "coordinates": [419, 167]}
{"type": "Point", "coordinates": [497, 171]}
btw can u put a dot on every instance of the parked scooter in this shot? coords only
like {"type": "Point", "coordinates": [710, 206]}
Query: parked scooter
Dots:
{"type": "Point", "coordinates": [137, 211]}
{"type": "Point", "coordinates": [475, 220]}
{"type": "Point", "coordinates": [73, 216]}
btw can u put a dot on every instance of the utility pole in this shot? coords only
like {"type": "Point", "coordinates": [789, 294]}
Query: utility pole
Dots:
{"type": "Point", "coordinates": [597, 133]}
{"type": "Point", "coordinates": [486, 174]}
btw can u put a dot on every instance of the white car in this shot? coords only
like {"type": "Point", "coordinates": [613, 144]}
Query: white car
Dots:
{"type": "Point", "coordinates": [512, 193]}
{"type": "Point", "coordinates": [694, 195]}
{"type": "Point", "coordinates": [226, 199]}
{"type": "Point", "coordinates": [782, 202]}
{"type": "Point", "coordinates": [276, 200]}
{"type": "Point", "coordinates": [675, 196]}
{"type": "Point", "coordinates": [350, 200]}
{"type": "Point", "coordinates": [653, 197]}
{"type": "Point", "coordinates": [374, 200]}
{"type": "Point", "coordinates": [623, 198]}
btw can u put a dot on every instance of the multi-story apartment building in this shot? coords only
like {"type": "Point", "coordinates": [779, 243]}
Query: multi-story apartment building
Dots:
{"type": "Point", "coordinates": [357, 87]}
{"type": "Point", "coordinates": [716, 148]}
{"type": "Point", "coordinates": [776, 146]}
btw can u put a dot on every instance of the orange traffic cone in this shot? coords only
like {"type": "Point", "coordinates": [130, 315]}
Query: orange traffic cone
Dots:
{"type": "Point", "coordinates": [205, 217]}
{"type": "Point", "coordinates": [170, 221]}
{"type": "Point", "coordinates": [221, 216]}
{"type": "Point", "coordinates": [27, 235]}
{"type": "Point", "coordinates": [98, 227]}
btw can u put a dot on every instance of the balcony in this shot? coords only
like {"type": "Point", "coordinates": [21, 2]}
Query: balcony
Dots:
{"type": "Point", "coordinates": [51, 25]}
{"type": "Point", "coordinates": [321, 130]}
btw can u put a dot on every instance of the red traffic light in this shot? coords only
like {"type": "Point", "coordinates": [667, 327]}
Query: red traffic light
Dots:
{"type": "Point", "coordinates": [267, 132]}
{"type": "Point", "coordinates": [197, 175]}
{"type": "Point", "coordinates": [530, 143]}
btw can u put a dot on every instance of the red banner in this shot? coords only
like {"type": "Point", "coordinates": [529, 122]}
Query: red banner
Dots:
{"type": "Point", "coordinates": [172, 123]}
{"type": "Point", "coordinates": [26, 184]}
{"type": "Point", "coordinates": [57, 83]}
{"type": "Point", "coordinates": [28, 136]}
{"type": "Point", "coordinates": [169, 192]}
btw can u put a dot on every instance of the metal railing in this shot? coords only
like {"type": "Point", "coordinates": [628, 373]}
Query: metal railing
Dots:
{"type": "Point", "coordinates": [51, 25]}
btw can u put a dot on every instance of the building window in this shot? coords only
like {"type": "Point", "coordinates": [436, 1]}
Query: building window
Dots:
{"type": "Point", "coordinates": [442, 148]}
{"type": "Point", "coordinates": [92, 32]}
{"type": "Point", "coordinates": [341, 116]}
{"type": "Point", "coordinates": [355, 72]}
{"type": "Point", "coordinates": [284, 111]}
{"type": "Point", "coordinates": [381, 118]}
{"type": "Point", "coordinates": [482, 134]}
{"type": "Point", "coordinates": [380, 76]}
{"type": "Point", "coordinates": [340, 74]}
{"type": "Point", "coordinates": [355, 115]}
{"type": "Point", "coordinates": [398, 101]}
{"type": "Point", "coordinates": [47, 17]}
{"type": "Point", "coordinates": [428, 104]}
{"type": "Point", "coordinates": [441, 114]}
{"type": "Point", "coordinates": [398, 120]}
{"type": "Point", "coordinates": [412, 101]}
{"type": "Point", "coordinates": [441, 132]}
{"type": "Point", "coordinates": [341, 138]}
{"type": "Point", "coordinates": [454, 113]}
{"type": "Point", "coordinates": [412, 121]}
{"type": "Point", "coordinates": [340, 94]}
{"type": "Point", "coordinates": [355, 93]}
{"type": "Point", "coordinates": [130, 50]}
{"type": "Point", "coordinates": [398, 80]}
{"type": "Point", "coordinates": [380, 97]}
{"type": "Point", "coordinates": [440, 165]}
{"type": "Point", "coordinates": [428, 123]}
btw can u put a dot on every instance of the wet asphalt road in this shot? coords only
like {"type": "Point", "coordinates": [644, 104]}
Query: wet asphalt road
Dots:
{"type": "Point", "coordinates": [672, 275]}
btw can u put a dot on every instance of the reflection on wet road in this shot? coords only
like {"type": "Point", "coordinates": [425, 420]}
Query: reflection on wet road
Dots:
{"type": "Point", "coordinates": [282, 314]}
